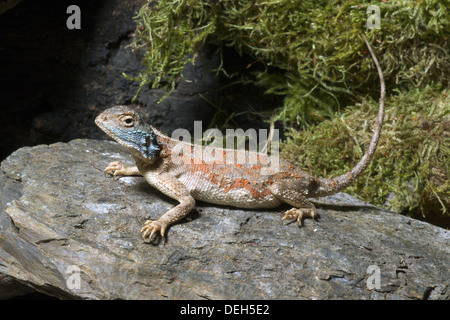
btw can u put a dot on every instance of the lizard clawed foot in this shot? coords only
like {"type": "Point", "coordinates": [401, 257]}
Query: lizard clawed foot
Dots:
{"type": "Point", "coordinates": [151, 227]}
{"type": "Point", "coordinates": [299, 213]}
{"type": "Point", "coordinates": [115, 168]}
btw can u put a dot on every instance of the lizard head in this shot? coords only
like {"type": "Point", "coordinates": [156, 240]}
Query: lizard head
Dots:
{"type": "Point", "coordinates": [126, 127]}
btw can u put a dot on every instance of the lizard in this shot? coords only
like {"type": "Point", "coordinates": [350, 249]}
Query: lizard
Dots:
{"type": "Point", "coordinates": [219, 181]}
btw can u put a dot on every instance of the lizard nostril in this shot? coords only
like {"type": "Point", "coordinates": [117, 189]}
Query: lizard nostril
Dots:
{"type": "Point", "coordinates": [101, 118]}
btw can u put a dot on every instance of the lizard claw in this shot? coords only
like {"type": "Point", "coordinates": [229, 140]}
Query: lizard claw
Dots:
{"type": "Point", "coordinates": [117, 168]}
{"type": "Point", "coordinates": [113, 168]}
{"type": "Point", "coordinates": [151, 227]}
{"type": "Point", "coordinates": [299, 213]}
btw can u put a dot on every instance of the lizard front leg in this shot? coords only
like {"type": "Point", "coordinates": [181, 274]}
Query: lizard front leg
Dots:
{"type": "Point", "coordinates": [172, 187]}
{"type": "Point", "coordinates": [116, 168]}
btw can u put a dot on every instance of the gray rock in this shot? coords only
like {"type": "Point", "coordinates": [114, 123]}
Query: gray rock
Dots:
{"type": "Point", "coordinates": [70, 232]}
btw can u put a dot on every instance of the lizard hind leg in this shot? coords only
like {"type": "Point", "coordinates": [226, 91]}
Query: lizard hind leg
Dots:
{"type": "Point", "coordinates": [303, 208]}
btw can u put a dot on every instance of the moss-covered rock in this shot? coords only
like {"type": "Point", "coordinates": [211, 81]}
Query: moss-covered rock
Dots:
{"type": "Point", "coordinates": [410, 170]}
{"type": "Point", "coordinates": [309, 51]}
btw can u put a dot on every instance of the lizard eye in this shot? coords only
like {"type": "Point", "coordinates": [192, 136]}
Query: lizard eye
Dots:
{"type": "Point", "coordinates": [128, 121]}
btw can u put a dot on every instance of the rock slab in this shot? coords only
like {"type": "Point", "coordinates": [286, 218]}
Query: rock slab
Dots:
{"type": "Point", "coordinates": [68, 231]}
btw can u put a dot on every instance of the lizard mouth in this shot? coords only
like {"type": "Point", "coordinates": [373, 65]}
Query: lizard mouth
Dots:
{"type": "Point", "coordinates": [98, 121]}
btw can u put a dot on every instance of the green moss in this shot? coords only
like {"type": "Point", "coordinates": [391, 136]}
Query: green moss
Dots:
{"type": "Point", "coordinates": [410, 170]}
{"type": "Point", "coordinates": [171, 32]}
{"type": "Point", "coordinates": [309, 51]}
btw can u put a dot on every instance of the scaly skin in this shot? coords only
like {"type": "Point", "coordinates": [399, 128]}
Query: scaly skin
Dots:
{"type": "Point", "coordinates": [174, 168]}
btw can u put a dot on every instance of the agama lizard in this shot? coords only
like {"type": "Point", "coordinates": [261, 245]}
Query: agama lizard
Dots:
{"type": "Point", "coordinates": [219, 181]}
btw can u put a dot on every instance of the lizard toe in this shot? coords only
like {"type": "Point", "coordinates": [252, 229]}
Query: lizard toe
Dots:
{"type": "Point", "coordinates": [150, 228]}
{"type": "Point", "coordinates": [113, 168]}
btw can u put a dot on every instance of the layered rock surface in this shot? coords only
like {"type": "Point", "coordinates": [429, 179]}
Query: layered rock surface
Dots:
{"type": "Point", "coordinates": [70, 232]}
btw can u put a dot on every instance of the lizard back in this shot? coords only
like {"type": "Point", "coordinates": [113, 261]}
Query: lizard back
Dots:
{"type": "Point", "coordinates": [227, 176]}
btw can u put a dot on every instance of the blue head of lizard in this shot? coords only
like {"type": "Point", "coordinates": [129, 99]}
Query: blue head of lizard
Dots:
{"type": "Point", "coordinates": [126, 127]}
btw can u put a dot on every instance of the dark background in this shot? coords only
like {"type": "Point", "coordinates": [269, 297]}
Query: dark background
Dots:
{"type": "Point", "coordinates": [54, 81]}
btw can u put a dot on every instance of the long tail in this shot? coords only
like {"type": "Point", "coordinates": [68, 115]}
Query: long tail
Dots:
{"type": "Point", "coordinates": [337, 184]}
